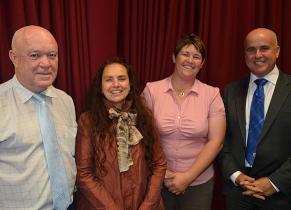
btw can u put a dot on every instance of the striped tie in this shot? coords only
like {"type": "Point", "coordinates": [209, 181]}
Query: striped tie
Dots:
{"type": "Point", "coordinates": [256, 120]}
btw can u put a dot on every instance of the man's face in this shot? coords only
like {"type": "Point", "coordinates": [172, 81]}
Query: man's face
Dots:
{"type": "Point", "coordinates": [261, 52]}
{"type": "Point", "coordinates": [35, 59]}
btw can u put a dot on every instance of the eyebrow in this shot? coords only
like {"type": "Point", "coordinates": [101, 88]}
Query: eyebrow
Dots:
{"type": "Point", "coordinates": [195, 53]}
{"type": "Point", "coordinates": [123, 75]}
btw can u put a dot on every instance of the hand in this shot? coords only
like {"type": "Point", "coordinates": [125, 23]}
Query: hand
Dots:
{"type": "Point", "coordinates": [244, 180]}
{"type": "Point", "coordinates": [168, 177]}
{"type": "Point", "coordinates": [169, 174]}
{"type": "Point", "coordinates": [177, 182]}
{"type": "Point", "coordinates": [260, 188]}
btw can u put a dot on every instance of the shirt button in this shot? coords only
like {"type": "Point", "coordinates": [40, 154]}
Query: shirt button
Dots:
{"type": "Point", "coordinates": [179, 117]}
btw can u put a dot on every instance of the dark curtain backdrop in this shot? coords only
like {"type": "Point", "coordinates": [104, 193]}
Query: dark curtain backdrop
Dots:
{"type": "Point", "coordinates": [145, 33]}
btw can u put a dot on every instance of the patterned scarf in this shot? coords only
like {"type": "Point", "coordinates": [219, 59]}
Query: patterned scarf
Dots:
{"type": "Point", "coordinates": [126, 134]}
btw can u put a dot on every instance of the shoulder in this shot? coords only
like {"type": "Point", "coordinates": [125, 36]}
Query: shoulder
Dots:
{"type": "Point", "coordinates": [5, 87]}
{"type": "Point", "coordinates": [84, 119]}
{"type": "Point", "coordinates": [238, 85]}
{"type": "Point", "coordinates": [64, 104]}
{"type": "Point", "coordinates": [207, 89]}
{"type": "Point", "coordinates": [158, 85]}
{"type": "Point", "coordinates": [61, 94]}
{"type": "Point", "coordinates": [85, 116]}
{"type": "Point", "coordinates": [63, 97]}
{"type": "Point", "coordinates": [156, 89]}
{"type": "Point", "coordinates": [6, 91]}
{"type": "Point", "coordinates": [283, 76]}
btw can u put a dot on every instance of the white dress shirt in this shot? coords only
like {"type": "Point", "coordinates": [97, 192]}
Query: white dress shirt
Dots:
{"type": "Point", "coordinates": [24, 180]}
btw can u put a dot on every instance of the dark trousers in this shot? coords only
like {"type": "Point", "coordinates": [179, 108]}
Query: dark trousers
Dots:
{"type": "Point", "coordinates": [194, 198]}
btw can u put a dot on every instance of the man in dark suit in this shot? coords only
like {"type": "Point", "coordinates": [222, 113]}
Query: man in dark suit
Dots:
{"type": "Point", "coordinates": [263, 179]}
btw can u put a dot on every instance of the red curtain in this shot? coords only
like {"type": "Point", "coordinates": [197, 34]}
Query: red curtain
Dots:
{"type": "Point", "coordinates": [145, 33]}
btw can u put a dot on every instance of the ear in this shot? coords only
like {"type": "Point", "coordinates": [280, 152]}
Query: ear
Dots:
{"type": "Point", "coordinates": [13, 57]}
{"type": "Point", "coordinates": [174, 58]}
{"type": "Point", "coordinates": [202, 64]}
{"type": "Point", "coordinates": [278, 51]}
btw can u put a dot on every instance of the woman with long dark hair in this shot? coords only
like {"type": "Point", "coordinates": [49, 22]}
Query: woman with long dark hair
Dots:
{"type": "Point", "coordinates": [120, 162]}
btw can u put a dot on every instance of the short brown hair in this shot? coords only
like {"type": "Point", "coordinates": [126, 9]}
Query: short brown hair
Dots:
{"type": "Point", "coordinates": [188, 40]}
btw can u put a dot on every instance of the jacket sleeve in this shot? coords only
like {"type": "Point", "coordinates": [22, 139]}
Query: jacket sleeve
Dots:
{"type": "Point", "coordinates": [226, 160]}
{"type": "Point", "coordinates": [86, 182]}
{"type": "Point", "coordinates": [281, 177]}
{"type": "Point", "coordinates": [153, 198]}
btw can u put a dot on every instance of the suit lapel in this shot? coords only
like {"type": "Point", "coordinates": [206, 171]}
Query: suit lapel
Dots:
{"type": "Point", "coordinates": [241, 107]}
{"type": "Point", "coordinates": [282, 90]}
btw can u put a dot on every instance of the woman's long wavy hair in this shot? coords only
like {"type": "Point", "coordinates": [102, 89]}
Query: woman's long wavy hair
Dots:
{"type": "Point", "coordinates": [101, 124]}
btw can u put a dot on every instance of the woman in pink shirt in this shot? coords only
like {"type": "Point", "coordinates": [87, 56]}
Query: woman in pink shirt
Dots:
{"type": "Point", "coordinates": [191, 120]}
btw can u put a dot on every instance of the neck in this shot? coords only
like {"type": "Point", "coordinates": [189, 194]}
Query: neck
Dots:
{"type": "Point", "coordinates": [181, 85]}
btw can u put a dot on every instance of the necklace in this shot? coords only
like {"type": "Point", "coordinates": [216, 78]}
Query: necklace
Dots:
{"type": "Point", "coordinates": [180, 93]}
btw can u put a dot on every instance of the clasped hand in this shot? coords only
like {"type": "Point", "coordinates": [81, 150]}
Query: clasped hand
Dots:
{"type": "Point", "coordinates": [176, 182]}
{"type": "Point", "coordinates": [259, 188]}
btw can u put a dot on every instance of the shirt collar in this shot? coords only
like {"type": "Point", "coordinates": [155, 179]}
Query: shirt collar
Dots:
{"type": "Point", "coordinates": [271, 76]}
{"type": "Point", "coordinates": [26, 94]}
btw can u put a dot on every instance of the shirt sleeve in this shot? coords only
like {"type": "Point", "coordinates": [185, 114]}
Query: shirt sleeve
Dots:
{"type": "Point", "coordinates": [216, 105]}
{"type": "Point", "coordinates": [146, 94]}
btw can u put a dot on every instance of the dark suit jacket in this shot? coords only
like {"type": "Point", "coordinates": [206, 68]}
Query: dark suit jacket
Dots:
{"type": "Point", "coordinates": [273, 154]}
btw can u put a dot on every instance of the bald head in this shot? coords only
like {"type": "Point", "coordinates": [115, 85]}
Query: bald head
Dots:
{"type": "Point", "coordinates": [262, 33]}
{"type": "Point", "coordinates": [31, 32]}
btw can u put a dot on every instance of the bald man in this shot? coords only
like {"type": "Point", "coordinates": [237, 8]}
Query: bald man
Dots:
{"type": "Point", "coordinates": [25, 183]}
{"type": "Point", "coordinates": [261, 180]}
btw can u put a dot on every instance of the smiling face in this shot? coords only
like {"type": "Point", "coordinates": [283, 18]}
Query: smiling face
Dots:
{"type": "Point", "coordinates": [188, 62]}
{"type": "Point", "coordinates": [115, 84]}
{"type": "Point", "coordinates": [261, 51]}
{"type": "Point", "coordinates": [35, 57]}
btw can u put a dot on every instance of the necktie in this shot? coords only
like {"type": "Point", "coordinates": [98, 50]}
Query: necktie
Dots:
{"type": "Point", "coordinates": [56, 170]}
{"type": "Point", "coordinates": [256, 120]}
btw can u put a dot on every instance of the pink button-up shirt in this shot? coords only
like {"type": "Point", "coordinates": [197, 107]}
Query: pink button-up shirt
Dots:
{"type": "Point", "coordinates": [184, 129]}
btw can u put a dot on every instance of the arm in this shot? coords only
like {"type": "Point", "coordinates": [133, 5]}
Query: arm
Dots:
{"type": "Point", "coordinates": [153, 195]}
{"type": "Point", "coordinates": [86, 182]}
{"type": "Point", "coordinates": [180, 180]}
{"type": "Point", "coordinates": [229, 168]}
{"type": "Point", "coordinates": [231, 158]}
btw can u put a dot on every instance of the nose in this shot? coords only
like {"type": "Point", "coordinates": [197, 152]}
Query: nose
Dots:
{"type": "Point", "coordinates": [115, 83]}
{"type": "Point", "coordinates": [44, 61]}
{"type": "Point", "coordinates": [190, 59]}
{"type": "Point", "coordinates": [258, 53]}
